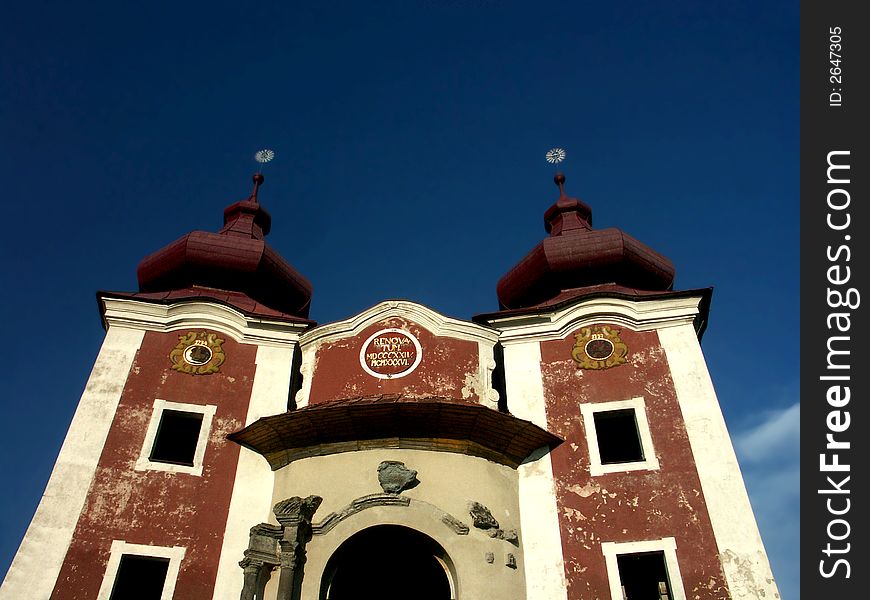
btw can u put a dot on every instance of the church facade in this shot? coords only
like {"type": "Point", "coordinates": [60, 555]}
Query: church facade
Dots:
{"type": "Point", "coordinates": [567, 446]}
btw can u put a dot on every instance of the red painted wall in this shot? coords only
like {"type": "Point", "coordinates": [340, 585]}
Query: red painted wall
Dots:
{"type": "Point", "coordinates": [154, 507]}
{"type": "Point", "coordinates": [447, 367]}
{"type": "Point", "coordinates": [631, 506]}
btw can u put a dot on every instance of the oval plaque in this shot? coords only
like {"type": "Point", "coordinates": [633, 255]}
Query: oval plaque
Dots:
{"type": "Point", "coordinates": [390, 353]}
{"type": "Point", "coordinates": [599, 349]}
{"type": "Point", "coordinates": [197, 354]}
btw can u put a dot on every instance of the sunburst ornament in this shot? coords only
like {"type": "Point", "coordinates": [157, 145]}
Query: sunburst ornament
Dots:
{"type": "Point", "coordinates": [555, 155]}
{"type": "Point", "coordinates": [265, 155]}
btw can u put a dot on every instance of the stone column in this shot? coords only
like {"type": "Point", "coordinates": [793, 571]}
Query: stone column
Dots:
{"type": "Point", "coordinates": [294, 514]}
{"type": "Point", "coordinates": [252, 569]}
{"type": "Point", "coordinates": [260, 560]}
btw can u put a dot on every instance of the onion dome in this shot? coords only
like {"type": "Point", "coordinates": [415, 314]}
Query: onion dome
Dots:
{"type": "Point", "coordinates": [576, 259]}
{"type": "Point", "coordinates": [236, 259]}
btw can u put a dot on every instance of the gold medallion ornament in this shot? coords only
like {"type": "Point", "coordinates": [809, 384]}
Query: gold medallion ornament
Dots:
{"type": "Point", "coordinates": [198, 353]}
{"type": "Point", "coordinates": [599, 347]}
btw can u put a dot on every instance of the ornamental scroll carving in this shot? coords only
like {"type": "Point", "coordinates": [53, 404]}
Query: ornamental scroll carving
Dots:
{"type": "Point", "coordinates": [599, 347]}
{"type": "Point", "coordinates": [198, 353]}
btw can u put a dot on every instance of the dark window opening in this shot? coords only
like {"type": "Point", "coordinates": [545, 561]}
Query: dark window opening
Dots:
{"type": "Point", "coordinates": [387, 561]}
{"type": "Point", "coordinates": [140, 578]}
{"type": "Point", "coordinates": [177, 437]}
{"type": "Point", "coordinates": [644, 576]}
{"type": "Point", "coordinates": [498, 378]}
{"type": "Point", "coordinates": [618, 437]}
{"type": "Point", "coordinates": [296, 378]}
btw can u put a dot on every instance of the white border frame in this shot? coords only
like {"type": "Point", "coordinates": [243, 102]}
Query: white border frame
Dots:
{"type": "Point", "coordinates": [650, 461]}
{"type": "Point", "coordinates": [144, 462]}
{"type": "Point", "coordinates": [175, 555]}
{"type": "Point", "coordinates": [668, 546]}
{"type": "Point", "coordinates": [408, 371]}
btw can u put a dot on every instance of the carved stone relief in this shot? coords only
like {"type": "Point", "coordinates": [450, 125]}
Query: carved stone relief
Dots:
{"type": "Point", "coordinates": [455, 524]}
{"type": "Point", "coordinates": [481, 517]}
{"type": "Point", "coordinates": [395, 477]}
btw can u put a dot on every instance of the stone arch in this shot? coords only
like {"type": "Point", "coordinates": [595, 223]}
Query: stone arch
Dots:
{"type": "Point", "coordinates": [389, 561]}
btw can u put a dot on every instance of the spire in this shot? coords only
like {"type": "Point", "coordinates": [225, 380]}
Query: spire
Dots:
{"type": "Point", "coordinates": [246, 218]}
{"type": "Point", "coordinates": [566, 214]}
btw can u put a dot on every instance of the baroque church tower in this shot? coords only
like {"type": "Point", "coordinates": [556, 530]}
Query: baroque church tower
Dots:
{"type": "Point", "coordinates": [567, 446]}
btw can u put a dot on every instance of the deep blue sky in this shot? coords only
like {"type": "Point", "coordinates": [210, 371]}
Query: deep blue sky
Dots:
{"type": "Point", "coordinates": [410, 139]}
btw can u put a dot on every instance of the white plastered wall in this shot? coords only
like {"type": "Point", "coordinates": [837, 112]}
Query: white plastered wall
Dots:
{"type": "Point", "coordinates": [741, 550]}
{"type": "Point", "coordinates": [251, 501]}
{"type": "Point", "coordinates": [539, 518]}
{"type": "Point", "coordinates": [37, 564]}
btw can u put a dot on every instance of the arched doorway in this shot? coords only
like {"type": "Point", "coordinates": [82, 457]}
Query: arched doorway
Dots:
{"type": "Point", "coordinates": [386, 562]}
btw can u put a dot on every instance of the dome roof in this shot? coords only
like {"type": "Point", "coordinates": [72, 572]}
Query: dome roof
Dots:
{"type": "Point", "coordinates": [235, 259]}
{"type": "Point", "coordinates": [575, 257]}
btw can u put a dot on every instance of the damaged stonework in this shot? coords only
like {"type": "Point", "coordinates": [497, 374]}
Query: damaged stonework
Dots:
{"type": "Point", "coordinates": [283, 546]}
{"type": "Point", "coordinates": [395, 477]}
{"type": "Point", "coordinates": [360, 504]}
{"type": "Point", "coordinates": [261, 558]}
{"type": "Point", "coordinates": [458, 527]}
{"type": "Point", "coordinates": [510, 536]}
{"type": "Point", "coordinates": [481, 517]}
{"type": "Point", "coordinates": [376, 500]}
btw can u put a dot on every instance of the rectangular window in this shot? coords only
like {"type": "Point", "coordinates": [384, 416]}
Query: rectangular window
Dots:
{"type": "Point", "coordinates": [140, 577]}
{"type": "Point", "coordinates": [618, 436]}
{"type": "Point", "coordinates": [140, 572]}
{"type": "Point", "coordinates": [643, 576]}
{"type": "Point", "coordinates": [645, 570]}
{"type": "Point", "coordinates": [176, 437]}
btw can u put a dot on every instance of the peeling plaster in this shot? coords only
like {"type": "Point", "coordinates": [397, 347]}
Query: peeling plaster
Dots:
{"type": "Point", "coordinates": [631, 505]}
{"type": "Point", "coordinates": [156, 507]}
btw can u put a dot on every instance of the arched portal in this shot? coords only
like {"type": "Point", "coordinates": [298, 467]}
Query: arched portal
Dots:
{"type": "Point", "coordinates": [388, 561]}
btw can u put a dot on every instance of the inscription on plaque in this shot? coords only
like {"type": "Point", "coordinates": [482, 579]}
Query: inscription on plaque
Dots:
{"type": "Point", "coordinates": [390, 353]}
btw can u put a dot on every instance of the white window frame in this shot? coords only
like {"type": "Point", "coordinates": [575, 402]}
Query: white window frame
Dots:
{"type": "Point", "coordinates": [144, 463]}
{"type": "Point", "coordinates": [667, 546]}
{"type": "Point", "coordinates": [175, 555]}
{"type": "Point", "coordinates": [649, 463]}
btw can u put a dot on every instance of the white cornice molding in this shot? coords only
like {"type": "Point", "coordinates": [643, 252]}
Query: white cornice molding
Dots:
{"type": "Point", "coordinates": [637, 315]}
{"type": "Point", "coordinates": [437, 323]}
{"type": "Point", "coordinates": [149, 316]}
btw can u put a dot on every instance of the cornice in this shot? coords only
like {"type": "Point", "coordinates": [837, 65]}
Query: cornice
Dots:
{"type": "Point", "coordinates": [640, 315]}
{"type": "Point", "coordinates": [150, 316]}
{"type": "Point", "coordinates": [437, 323]}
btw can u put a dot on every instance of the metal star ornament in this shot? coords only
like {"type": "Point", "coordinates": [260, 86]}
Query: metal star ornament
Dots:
{"type": "Point", "coordinates": [555, 155]}
{"type": "Point", "coordinates": [265, 155]}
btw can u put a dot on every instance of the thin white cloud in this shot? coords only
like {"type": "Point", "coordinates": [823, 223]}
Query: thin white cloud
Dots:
{"type": "Point", "coordinates": [769, 453]}
{"type": "Point", "coordinates": [775, 436]}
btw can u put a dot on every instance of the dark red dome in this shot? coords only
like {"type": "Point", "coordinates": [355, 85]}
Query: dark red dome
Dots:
{"type": "Point", "coordinates": [235, 259]}
{"type": "Point", "coordinates": [575, 257]}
